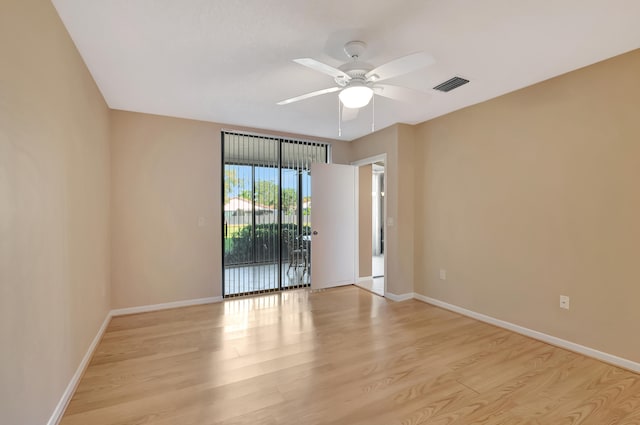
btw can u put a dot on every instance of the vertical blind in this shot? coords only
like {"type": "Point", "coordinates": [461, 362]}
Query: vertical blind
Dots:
{"type": "Point", "coordinates": [267, 212]}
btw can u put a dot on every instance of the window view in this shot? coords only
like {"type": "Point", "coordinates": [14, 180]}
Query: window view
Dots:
{"type": "Point", "coordinates": [267, 213]}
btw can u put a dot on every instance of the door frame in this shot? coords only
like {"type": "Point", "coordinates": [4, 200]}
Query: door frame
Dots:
{"type": "Point", "coordinates": [358, 163]}
{"type": "Point", "coordinates": [280, 167]}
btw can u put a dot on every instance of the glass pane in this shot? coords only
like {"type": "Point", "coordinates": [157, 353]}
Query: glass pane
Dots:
{"type": "Point", "coordinates": [237, 214]}
{"type": "Point", "coordinates": [267, 212]}
{"type": "Point", "coordinates": [266, 245]}
{"type": "Point", "coordinates": [294, 256]}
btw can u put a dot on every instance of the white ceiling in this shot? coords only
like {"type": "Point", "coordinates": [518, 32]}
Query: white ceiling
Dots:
{"type": "Point", "coordinates": [230, 61]}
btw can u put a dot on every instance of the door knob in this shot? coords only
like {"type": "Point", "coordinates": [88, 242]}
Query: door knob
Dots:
{"type": "Point", "coordinates": [315, 232]}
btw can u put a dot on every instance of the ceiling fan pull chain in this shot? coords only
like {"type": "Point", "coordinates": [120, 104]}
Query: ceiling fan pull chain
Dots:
{"type": "Point", "coordinates": [339, 119]}
{"type": "Point", "coordinates": [373, 113]}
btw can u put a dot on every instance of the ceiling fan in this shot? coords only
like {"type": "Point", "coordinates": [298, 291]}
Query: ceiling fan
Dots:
{"type": "Point", "coordinates": [358, 81]}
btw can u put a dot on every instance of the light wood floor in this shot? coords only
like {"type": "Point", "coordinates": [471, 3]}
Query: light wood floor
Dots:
{"type": "Point", "coordinates": [342, 356]}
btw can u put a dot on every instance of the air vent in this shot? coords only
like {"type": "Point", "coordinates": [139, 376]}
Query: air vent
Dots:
{"type": "Point", "coordinates": [451, 84]}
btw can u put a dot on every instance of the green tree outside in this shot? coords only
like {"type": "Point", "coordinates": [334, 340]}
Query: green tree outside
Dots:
{"type": "Point", "coordinates": [231, 181]}
{"type": "Point", "coordinates": [267, 195]}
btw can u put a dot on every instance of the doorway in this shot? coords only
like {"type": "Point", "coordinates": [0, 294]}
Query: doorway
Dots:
{"type": "Point", "coordinates": [266, 212]}
{"type": "Point", "coordinates": [377, 226]}
{"type": "Point", "coordinates": [371, 224]}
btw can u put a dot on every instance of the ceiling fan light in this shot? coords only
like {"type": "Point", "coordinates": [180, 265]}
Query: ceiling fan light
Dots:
{"type": "Point", "coordinates": [355, 96]}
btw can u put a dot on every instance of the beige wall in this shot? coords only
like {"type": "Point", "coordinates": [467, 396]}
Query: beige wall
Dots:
{"type": "Point", "coordinates": [535, 194]}
{"type": "Point", "coordinates": [405, 209]}
{"type": "Point", "coordinates": [521, 199]}
{"type": "Point", "coordinates": [397, 142]}
{"type": "Point", "coordinates": [392, 141]}
{"type": "Point", "coordinates": [340, 151]}
{"type": "Point", "coordinates": [54, 211]}
{"type": "Point", "coordinates": [165, 175]}
{"type": "Point", "coordinates": [365, 220]}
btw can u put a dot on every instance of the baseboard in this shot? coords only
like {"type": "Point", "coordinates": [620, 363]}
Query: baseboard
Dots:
{"type": "Point", "coordinates": [398, 298]}
{"type": "Point", "coordinates": [549, 339]}
{"type": "Point", "coordinates": [164, 306]}
{"type": "Point", "coordinates": [58, 412]}
{"type": "Point", "coordinates": [73, 384]}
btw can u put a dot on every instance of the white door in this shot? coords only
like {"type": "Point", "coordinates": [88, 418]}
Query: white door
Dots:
{"type": "Point", "coordinates": [333, 225]}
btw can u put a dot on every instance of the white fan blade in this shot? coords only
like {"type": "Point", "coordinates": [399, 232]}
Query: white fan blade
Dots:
{"type": "Point", "coordinates": [403, 94]}
{"type": "Point", "coordinates": [322, 67]}
{"type": "Point", "coordinates": [349, 114]}
{"type": "Point", "coordinates": [400, 66]}
{"type": "Point", "coordinates": [308, 95]}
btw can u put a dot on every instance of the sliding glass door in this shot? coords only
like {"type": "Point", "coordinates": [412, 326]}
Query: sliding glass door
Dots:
{"type": "Point", "coordinates": [267, 212]}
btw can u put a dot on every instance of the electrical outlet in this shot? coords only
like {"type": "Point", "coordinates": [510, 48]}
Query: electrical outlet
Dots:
{"type": "Point", "coordinates": [443, 274]}
{"type": "Point", "coordinates": [564, 302]}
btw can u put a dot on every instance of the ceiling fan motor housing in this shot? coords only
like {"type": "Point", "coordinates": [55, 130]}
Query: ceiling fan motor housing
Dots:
{"type": "Point", "coordinates": [356, 70]}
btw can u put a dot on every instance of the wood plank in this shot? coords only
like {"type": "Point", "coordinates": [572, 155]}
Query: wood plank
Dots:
{"type": "Point", "coordinates": [339, 356]}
